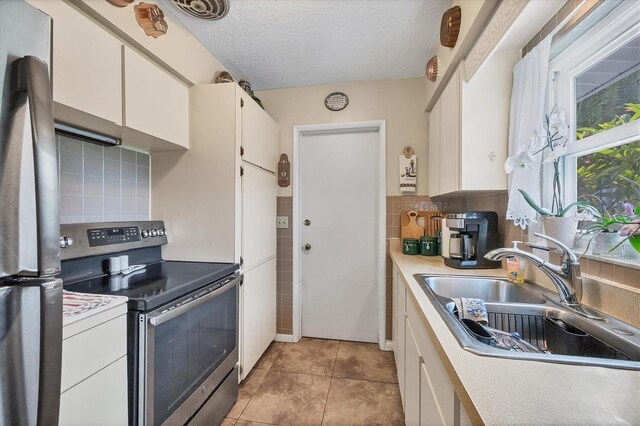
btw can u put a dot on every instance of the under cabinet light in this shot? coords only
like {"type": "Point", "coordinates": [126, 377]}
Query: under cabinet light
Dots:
{"type": "Point", "coordinates": [86, 135]}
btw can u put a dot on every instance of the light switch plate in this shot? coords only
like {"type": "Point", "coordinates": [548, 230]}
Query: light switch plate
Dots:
{"type": "Point", "coordinates": [282, 222]}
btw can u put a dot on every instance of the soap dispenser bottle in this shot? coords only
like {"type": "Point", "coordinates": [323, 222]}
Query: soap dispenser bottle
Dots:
{"type": "Point", "coordinates": [515, 266]}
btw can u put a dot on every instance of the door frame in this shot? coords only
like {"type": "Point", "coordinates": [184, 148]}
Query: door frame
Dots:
{"type": "Point", "coordinates": [298, 132]}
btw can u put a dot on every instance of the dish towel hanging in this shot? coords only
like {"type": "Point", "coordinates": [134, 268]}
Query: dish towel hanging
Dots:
{"type": "Point", "coordinates": [526, 116]}
{"type": "Point", "coordinates": [473, 309]}
{"type": "Point", "coordinates": [408, 168]}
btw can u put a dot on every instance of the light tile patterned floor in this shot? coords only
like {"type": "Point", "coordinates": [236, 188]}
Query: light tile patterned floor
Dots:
{"type": "Point", "coordinates": [320, 382]}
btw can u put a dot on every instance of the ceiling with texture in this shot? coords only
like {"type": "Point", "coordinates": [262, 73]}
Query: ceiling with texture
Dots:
{"type": "Point", "coordinates": [292, 43]}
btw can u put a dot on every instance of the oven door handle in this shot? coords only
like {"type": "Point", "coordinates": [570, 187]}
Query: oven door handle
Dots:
{"type": "Point", "coordinates": [165, 316]}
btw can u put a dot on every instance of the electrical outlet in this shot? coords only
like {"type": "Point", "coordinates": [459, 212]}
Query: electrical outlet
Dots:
{"type": "Point", "coordinates": [282, 222]}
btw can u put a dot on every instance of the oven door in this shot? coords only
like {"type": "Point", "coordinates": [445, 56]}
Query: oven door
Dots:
{"type": "Point", "coordinates": [188, 347]}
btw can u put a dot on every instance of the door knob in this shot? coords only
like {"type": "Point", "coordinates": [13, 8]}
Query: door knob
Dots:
{"type": "Point", "coordinates": [307, 247]}
{"type": "Point", "coordinates": [307, 222]}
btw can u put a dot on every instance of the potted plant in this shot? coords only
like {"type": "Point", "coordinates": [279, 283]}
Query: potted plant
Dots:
{"type": "Point", "coordinates": [631, 231]}
{"type": "Point", "coordinates": [608, 232]}
{"type": "Point", "coordinates": [559, 222]}
{"type": "Point", "coordinates": [604, 236]}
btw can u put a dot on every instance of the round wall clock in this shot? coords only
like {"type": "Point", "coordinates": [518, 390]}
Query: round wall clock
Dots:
{"type": "Point", "coordinates": [336, 101]}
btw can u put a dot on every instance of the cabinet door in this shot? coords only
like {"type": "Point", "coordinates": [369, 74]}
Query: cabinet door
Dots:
{"type": "Point", "coordinates": [439, 378]}
{"type": "Point", "coordinates": [412, 379]}
{"type": "Point", "coordinates": [268, 304]}
{"type": "Point", "coordinates": [87, 71]}
{"type": "Point", "coordinates": [394, 307]}
{"type": "Point", "coordinates": [429, 410]}
{"type": "Point", "coordinates": [434, 150]}
{"type": "Point", "coordinates": [258, 310]}
{"type": "Point", "coordinates": [400, 359]}
{"type": "Point", "coordinates": [464, 417]}
{"type": "Point", "coordinates": [85, 353]}
{"type": "Point", "coordinates": [251, 321]}
{"type": "Point", "coordinates": [258, 215]}
{"type": "Point", "coordinates": [155, 102]}
{"type": "Point", "coordinates": [101, 399]}
{"type": "Point", "coordinates": [259, 136]}
{"type": "Point", "coordinates": [450, 136]}
{"type": "Point", "coordinates": [483, 152]}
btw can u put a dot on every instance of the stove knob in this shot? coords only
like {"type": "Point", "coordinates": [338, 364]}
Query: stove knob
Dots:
{"type": "Point", "coordinates": [66, 241]}
{"type": "Point", "coordinates": [160, 232]}
{"type": "Point", "coordinates": [154, 232]}
{"type": "Point", "coordinates": [145, 234]}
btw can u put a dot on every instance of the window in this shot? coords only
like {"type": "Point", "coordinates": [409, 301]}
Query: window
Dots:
{"type": "Point", "coordinates": [596, 81]}
{"type": "Point", "coordinates": [609, 178]}
{"type": "Point", "coordinates": [607, 95]}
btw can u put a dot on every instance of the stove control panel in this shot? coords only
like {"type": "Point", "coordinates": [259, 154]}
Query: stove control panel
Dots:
{"type": "Point", "coordinates": [90, 239]}
{"type": "Point", "coordinates": [107, 236]}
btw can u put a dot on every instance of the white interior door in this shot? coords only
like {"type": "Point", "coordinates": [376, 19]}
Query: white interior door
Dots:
{"type": "Point", "coordinates": [339, 190]}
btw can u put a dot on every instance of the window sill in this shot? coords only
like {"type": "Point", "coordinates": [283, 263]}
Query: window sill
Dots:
{"type": "Point", "coordinates": [621, 261]}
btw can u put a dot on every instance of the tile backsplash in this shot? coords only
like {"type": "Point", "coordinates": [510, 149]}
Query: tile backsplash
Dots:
{"type": "Point", "coordinates": [101, 184]}
{"type": "Point", "coordinates": [623, 282]}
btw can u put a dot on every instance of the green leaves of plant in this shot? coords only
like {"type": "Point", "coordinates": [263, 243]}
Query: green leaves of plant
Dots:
{"type": "Point", "coordinates": [541, 211]}
{"type": "Point", "coordinates": [580, 205]}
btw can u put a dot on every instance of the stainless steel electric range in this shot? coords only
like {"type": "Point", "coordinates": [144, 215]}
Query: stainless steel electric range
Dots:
{"type": "Point", "coordinates": [182, 322]}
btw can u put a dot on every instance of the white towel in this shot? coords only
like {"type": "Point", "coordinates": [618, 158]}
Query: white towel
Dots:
{"type": "Point", "coordinates": [408, 168]}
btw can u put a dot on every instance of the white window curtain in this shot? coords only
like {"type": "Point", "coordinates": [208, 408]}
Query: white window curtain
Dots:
{"type": "Point", "coordinates": [525, 118]}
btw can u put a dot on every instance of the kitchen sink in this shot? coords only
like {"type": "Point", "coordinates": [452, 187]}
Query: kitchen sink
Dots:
{"type": "Point", "coordinates": [487, 289]}
{"type": "Point", "coordinates": [557, 333]}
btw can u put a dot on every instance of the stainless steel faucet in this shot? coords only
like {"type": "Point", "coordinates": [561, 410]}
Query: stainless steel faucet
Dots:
{"type": "Point", "coordinates": [565, 277]}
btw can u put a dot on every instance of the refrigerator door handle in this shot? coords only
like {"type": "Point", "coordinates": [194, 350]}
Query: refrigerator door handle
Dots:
{"type": "Point", "coordinates": [50, 371]}
{"type": "Point", "coordinates": [33, 77]}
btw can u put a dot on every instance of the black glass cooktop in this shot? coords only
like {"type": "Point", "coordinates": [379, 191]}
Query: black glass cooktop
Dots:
{"type": "Point", "coordinates": [157, 284]}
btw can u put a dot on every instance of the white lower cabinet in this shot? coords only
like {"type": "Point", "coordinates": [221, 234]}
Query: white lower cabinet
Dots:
{"type": "Point", "coordinates": [427, 393]}
{"type": "Point", "coordinates": [400, 345]}
{"type": "Point", "coordinates": [99, 400]}
{"type": "Point", "coordinates": [94, 369]}
{"type": "Point", "coordinates": [430, 413]}
{"type": "Point", "coordinates": [412, 379]}
{"type": "Point", "coordinates": [258, 317]}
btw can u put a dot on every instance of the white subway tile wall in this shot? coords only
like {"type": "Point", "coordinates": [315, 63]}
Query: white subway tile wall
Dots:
{"type": "Point", "coordinates": [101, 184]}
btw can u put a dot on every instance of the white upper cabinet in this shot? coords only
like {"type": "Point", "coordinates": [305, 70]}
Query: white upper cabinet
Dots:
{"type": "Point", "coordinates": [450, 136]}
{"type": "Point", "coordinates": [434, 149]}
{"type": "Point", "coordinates": [155, 102]}
{"type": "Point", "coordinates": [259, 136]}
{"type": "Point", "coordinates": [103, 85]}
{"type": "Point", "coordinates": [86, 63]}
{"type": "Point", "coordinates": [469, 129]}
{"type": "Point", "coordinates": [484, 123]}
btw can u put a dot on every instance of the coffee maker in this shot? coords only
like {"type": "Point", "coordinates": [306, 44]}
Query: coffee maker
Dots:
{"type": "Point", "coordinates": [473, 235]}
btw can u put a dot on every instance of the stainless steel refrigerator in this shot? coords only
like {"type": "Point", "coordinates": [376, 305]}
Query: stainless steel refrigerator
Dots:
{"type": "Point", "coordinates": [30, 294]}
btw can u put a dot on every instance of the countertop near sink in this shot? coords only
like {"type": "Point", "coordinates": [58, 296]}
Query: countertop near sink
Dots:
{"type": "Point", "coordinates": [508, 392]}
